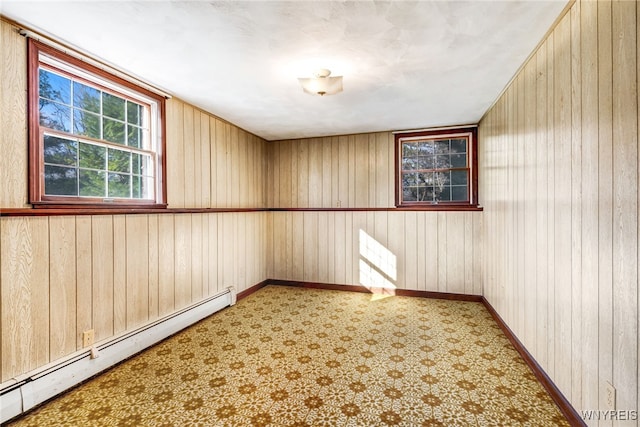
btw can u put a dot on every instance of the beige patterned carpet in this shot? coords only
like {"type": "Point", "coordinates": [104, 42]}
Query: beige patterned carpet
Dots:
{"type": "Point", "coordinates": [302, 357]}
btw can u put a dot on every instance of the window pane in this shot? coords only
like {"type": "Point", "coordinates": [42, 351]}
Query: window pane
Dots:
{"type": "Point", "coordinates": [133, 139]}
{"type": "Point", "coordinates": [426, 162]}
{"type": "Point", "coordinates": [136, 164]}
{"type": "Point", "coordinates": [409, 194]}
{"type": "Point", "coordinates": [458, 160]}
{"type": "Point", "coordinates": [136, 187]}
{"type": "Point", "coordinates": [442, 147]}
{"type": "Point", "coordinates": [60, 151]}
{"type": "Point", "coordinates": [425, 148]}
{"type": "Point", "coordinates": [112, 106]}
{"type": "Point", "coordinates": [92, 183]}
{"type": "Point", "coordinates": [55, 116]}
{"type": "Point", "coordinates": [459, 177]}
{"type": "Point", "coordinates": [87, 124]}
{"type": "Point", "coordinates": [60, 181]}
{"type": "Point", "coordinates": [458, 145]}
{"type": "Point", "coordinates": [54, 87]}
{"type": "Point", "coordinates": [86, 97]}
{"type": "Point", "coordinates": [443, 194]}
{"type": "Point", "coordinates": [459, 193]}
{"type": "Point", "coordinates": [441, 180]}
{"type": "Point", "coordinates": [119, 161]}
{"type": "Point", "coordinates": [134, 113]}
{"type": "Point", "coordinates": [113, 131]}
{"type": "Point", "coordinates": [147, 188]}
{"type": "Point", "coordinates": [408, 179]}
{"type": "Point", "coordinates": [92, 156]}
{"type": "Point", "coordinates": [119, 185]}
{"type": "Point", "coordinates": [408, 163]}
{"type": "Point", "coordinates": [442, 161]}
{"type": "Point", "coordinates": [409, 149]}
{"type": "Point", "coordinates": [146, 165]}
{"type": "Point", "coordinates": [425, 178]}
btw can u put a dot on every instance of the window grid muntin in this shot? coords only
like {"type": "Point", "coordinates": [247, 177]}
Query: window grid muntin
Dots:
{"type": "Point", "coordinates": [148, 178]}
{"type": "Point", "coordinates": [433, 140]}
{"type": "Point", "coordinates": [145, 117]}
{"type": "Point", "coordinates": [148, 115]}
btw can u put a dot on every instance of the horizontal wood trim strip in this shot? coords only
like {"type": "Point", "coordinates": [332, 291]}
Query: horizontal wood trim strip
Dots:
{"type": "Point", "coordinates": [128, 211]}
{"type": "Point", "coordinates": [383, 291]}
{"type": "Point", "coordinates": [429, 208]}
{"type": "Point", "coordinates": [118, 211]}
{"type": "Point", "coordinates": [561, 401]}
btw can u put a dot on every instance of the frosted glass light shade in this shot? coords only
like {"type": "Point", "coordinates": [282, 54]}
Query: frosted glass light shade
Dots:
{"type": "Point", "coordinates": [322, 84]}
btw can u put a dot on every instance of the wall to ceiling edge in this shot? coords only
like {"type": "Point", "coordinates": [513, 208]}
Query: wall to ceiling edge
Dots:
{"type": "Point", "coordinates": [559, 184]}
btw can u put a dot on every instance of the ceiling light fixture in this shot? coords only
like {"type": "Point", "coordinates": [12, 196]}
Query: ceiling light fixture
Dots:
{"type": "Point", "coordinates": [322, 84]}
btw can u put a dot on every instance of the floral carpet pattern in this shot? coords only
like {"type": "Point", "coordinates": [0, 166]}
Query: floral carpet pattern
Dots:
{"type": "Point", "coordinates": [299, 357]}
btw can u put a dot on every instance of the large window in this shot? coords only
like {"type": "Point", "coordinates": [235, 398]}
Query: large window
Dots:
{"type": "Point", "coordinates": [95, 140]}
{"type": "Point", "coordinates": [437, 168]}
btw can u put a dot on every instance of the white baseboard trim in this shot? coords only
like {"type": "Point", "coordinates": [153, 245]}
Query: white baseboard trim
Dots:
{"type": "Point", "coordinates": [27, 391]}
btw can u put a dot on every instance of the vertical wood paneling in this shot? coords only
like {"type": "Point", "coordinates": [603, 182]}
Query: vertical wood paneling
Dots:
{"type": "Point", "coordinates": [84, 297]}
{"type": "Point", "coordinates": [589, 206]}
{"type": "Point", "coordinates": [197, 173]}
{"type": "Point", "coordinates": [233, 174]}
{"type": "Point", "coordinates": [327, 178]}
{"type": "Point", "coordinates": [24, 297]}
{"type": "Point", "coordinates": [102, 257]}
{"type": "Point", "coordinates": [605, 199]}
{"type": "Point", "coordinates": [188, 166]}
{"type": "Point", "coordinates": [212, 261]}
{"type": "Point", "coordinates": [205, 161]}
{"type": "Point", "coordinates": [342, 198]}
{"type": "Point", "coordinates": [361, 164]}
{"type": "Point", "coordinates": [62, 277]}
{"type": "Point", "coordinates": [315, 190]}
{"type": "Point", "coordinates": [154, 267]}
{"type": "Point", "coordinates": [576, 202]}
{"type": "Point", "coordinates": [175, 153]}
{"type": "Point", "coordinates": [550, 138]}
{"type": "Point", "coordinates": [183, 271]}
{"type": "Point", "coordinates": [13, 134]}
{"type": "Point", "coordinates": [541, 206]}
{"type": "Point", "coordinates": [625, 203]}
{"type": "Point", "coordinates": [166, 264]}
{"type": "Point", "coordinates": [137, 271]}
{"type": "Point", "coordinates": [197, 278]}
{"type": "Point", "coordinates": [213, 150]}
{"type": "Point", "coordinates": [119, 274]}
{"type": "Point", "coordinates": [580, 273]}
{"type": "Point", "coordinates": [562, 217]}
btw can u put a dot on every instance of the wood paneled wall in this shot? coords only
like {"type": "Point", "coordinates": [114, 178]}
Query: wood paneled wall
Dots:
{"type": "Point", "coordinates": [211, 163]}
{"type": "Point", "coordinates": [418, 250]}
{"type": "Point", "coordinates": [559, 183]}
{"type": "Point", "coordinates": [353, 171]}
{"type": "Point", "coordinates": [61, 275]}
{"type": "Point", "coordinates": [433, 251]}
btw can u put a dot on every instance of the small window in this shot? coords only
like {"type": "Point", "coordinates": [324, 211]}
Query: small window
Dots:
{"type": "Point", "coordinates": [95, 139]}
{"type": "Point", "coordinates": [437, 168]}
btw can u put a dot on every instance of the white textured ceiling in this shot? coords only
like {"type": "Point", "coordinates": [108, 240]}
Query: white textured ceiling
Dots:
{"type": "Point", "coordinates": [405, 64]}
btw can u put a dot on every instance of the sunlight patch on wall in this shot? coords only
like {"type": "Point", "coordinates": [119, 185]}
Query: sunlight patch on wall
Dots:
{"type": "Point", "coordinates": [377, 266]}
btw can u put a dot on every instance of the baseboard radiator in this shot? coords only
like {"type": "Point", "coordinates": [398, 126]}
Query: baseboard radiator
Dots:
{"type": "Point", "coordinates": [33, 388]}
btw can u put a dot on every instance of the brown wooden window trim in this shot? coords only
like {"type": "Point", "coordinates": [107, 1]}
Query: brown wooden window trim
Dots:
{"type": "Point", "coordinates": [472, 166]}
{"type": "Point", "coordinates": [36, 156]}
